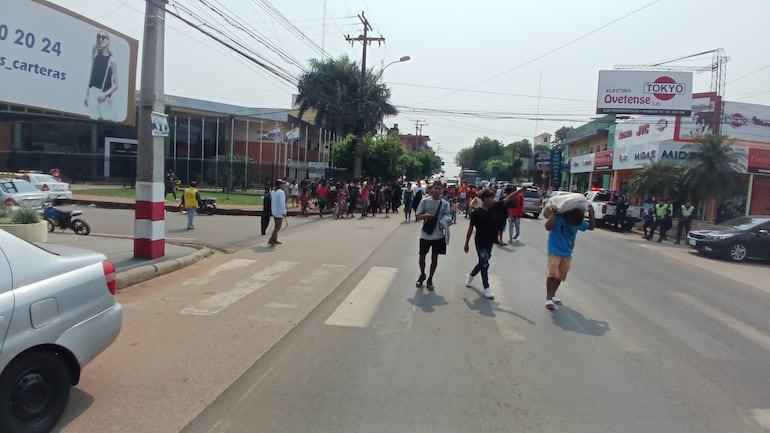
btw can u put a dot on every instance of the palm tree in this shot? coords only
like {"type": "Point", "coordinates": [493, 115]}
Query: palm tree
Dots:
{"type": "Point", "coordinates": [344, 100]}
{"type": "Point", "coordinates": [658, 178]}
{"type": "Point", "coordinates": [713, 170]}
{"type": "Point", "coordinates": [333, 89]}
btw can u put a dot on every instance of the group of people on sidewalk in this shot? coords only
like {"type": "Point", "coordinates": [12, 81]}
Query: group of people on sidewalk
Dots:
{"type": "Point", "coordinates": [488, 222]}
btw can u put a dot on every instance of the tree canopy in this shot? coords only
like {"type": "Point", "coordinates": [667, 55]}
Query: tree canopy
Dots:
{"type": "Point", "coordinates": [386, 157]}
{"type": "Point", "coordinates": [492, 159]}
{"type": "Point", "coordinates": [334, 89]}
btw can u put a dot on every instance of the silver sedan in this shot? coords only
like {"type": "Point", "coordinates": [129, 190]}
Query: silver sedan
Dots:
{"type": "Point", "coordinates": [57, 313]}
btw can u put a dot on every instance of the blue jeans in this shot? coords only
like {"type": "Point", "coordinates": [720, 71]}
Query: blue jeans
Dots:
{"type": "Point", "coordinates": [190, 217]}
{"type": "Point", "coordinates": [485, 253]}
{"type": "Point", "coordinates": [514, 222]}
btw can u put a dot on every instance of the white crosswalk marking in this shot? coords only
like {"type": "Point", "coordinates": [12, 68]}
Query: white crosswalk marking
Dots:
{"type": "Point", "coordinates": [224, 267]}
{"type": "Point", "coordinates": [359, 308]}
{"type": "Point", "coordinates": [216, 303]}
{"type": "Point", "coordinates": [506, 321]}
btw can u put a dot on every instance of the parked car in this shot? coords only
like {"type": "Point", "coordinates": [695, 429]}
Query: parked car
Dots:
{"type": "Point", "coordinates": [603, 202]}
{"type": "Point", "coordinates": [55, 189]}
{"type": "Point", "coordinates": [58, 312]}
{"type": "Point", "coordinates": [737, 239]}
{"type": "Point", "coordinates": [533, 201]}
{"type": "Point", "coordinates": [15, 193]}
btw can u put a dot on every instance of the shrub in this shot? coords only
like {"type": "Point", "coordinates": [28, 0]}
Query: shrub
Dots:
{"type": "Point", "coordinates": [25, 216]}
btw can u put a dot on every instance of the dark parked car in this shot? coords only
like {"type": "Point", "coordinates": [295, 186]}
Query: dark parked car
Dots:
{"type": "Point", "coordinates": [737, 239]}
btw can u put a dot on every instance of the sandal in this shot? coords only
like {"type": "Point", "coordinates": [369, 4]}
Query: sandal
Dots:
{"type": "Point", "coordinates": [550, 305]}
{"type": "Point", "coordinates": [556, 300]}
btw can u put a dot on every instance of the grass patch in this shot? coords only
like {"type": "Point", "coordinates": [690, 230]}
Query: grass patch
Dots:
{"type": "Point", "coordinates": [235, 198]}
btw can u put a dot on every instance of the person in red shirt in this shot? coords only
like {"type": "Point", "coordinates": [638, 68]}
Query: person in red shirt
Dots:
{"type": "Point", "coordinates": [515, 211]}
{"type": "Point", "coordinates": [322, 195]}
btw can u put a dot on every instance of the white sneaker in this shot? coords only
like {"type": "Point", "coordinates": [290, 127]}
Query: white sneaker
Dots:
{"type": "Point", "coordinates": [469, 281]}
{"type": "Point", "coordinates": [488, 293]}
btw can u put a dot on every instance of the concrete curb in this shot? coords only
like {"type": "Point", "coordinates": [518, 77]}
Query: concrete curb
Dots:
{"type": "Point", "coordinates": [146, 272]}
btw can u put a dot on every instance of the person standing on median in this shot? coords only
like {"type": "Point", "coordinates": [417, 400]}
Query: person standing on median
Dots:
{"type": "Point", "coordinates": [190, 201]}
{"type": "Point", "coordinates": [562, 231]}
{"type": "Point", "coordinates": [486, 221]}
{"type": "Point", "coordinates": [430, 210]}
{"type": "Point", "coordinates": [278, 210]}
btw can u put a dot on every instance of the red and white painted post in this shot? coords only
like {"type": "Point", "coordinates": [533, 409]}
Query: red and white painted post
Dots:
{"type": "Point", "coordinates": [149, 224]}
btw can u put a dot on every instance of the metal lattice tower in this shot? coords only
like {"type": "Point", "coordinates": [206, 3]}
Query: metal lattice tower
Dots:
{"type": "Point", "coordinates": [718, 68]}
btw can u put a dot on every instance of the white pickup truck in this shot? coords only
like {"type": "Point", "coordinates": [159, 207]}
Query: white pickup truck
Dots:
{"type": "Point", "coordinates": [603, 203]}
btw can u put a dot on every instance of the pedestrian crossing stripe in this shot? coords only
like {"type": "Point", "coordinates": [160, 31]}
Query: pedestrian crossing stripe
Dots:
{"type": "Point", "coordinates": [360, 306]}
{"type": "Point", "coordinates": [224, 267]}
{"type": "Point", "coordinates": [216, 303]}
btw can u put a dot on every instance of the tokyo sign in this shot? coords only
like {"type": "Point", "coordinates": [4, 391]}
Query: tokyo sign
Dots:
{"type": "Point", "coordinates": [644, 92]}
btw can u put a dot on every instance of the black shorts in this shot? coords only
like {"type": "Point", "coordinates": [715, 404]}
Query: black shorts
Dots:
{"type": "Point", "coordinates": [438, 246]}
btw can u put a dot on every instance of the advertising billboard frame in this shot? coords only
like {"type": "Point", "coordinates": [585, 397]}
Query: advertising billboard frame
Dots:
{"type": "Point", "coordinates": [56, 58]}
{"type": "Point", "coordinates": [667, 93]}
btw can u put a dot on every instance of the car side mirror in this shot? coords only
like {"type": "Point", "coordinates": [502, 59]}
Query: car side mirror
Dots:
{"type": "Point", "coordinates": [764, 233]}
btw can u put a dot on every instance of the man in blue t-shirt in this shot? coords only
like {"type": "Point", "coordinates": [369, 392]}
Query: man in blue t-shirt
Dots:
{"type": "Point", "coordinates": [562, 231]}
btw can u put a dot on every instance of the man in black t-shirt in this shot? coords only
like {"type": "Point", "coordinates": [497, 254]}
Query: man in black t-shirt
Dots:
{"type": "Point", "coordinates": [486, 221]}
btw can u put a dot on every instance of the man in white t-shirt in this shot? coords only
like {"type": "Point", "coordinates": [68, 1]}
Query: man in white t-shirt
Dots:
{"type": "Point", "coordinates": [278, 210]}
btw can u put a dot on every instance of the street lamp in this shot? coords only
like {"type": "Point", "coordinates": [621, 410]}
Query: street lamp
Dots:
{"type": "Point", "coordinates": [402, 59]}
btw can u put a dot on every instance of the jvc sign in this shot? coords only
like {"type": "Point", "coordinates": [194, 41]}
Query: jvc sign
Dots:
{"type": "Point", "coordinates": [644, 92]}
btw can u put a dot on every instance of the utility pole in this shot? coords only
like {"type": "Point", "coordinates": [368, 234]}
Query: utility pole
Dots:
{"type": "Point", "coordinates": [149, 225]}
{"type": "Point", "coordinates": [418, 124]}
{"type": "Point", "coordinates": [365, 41]}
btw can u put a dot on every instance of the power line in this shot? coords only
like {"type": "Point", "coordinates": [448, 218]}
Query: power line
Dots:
{"type": "Point", "coordinates": [549, 52]}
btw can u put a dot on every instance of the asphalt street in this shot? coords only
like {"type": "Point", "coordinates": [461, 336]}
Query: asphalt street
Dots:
{"type": "Point", "coordinates": [327, 333]}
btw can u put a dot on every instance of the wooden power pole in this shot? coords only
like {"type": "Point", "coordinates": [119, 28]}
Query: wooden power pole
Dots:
{"type": "Point", "coordinates": [365, 41]}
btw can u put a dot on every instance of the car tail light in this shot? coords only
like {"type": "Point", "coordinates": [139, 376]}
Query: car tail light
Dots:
{"type": "Point", "coordinates": [110, 275]}
{"type": "Point", "coordinates": [604, 208]}
{"type": "Point", "coordinates": [45, 187]}
{"type": "Point", "coordinates": [10, 202]}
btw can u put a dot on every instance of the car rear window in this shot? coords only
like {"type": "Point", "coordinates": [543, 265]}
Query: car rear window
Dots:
{"type": "Point", "coordinates": [532, 193]}
{"type": "Point", "coordinates": [17, 186]}
{"type": "Point", "coordinates": [45, 178]}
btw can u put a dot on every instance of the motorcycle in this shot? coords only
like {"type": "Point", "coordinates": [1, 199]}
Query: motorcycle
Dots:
{"type": "Point", "coordinates": [65, 219]}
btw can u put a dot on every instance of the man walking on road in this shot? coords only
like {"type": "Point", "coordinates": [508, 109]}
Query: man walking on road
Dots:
{"type": "Point", "coordinates": [486, 221]}
{"type": "Point", "coordinates": [278, 210]}
{"type": "Point", "coordinates": [515, 211]}
{"type": "Point", "coordinates": [562, 231]}
{"type": "Point", "coordinates": [430, 210]}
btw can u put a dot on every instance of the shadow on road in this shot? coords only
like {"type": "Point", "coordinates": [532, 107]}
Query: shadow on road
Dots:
{"type": "Point", "coordinates": [570, 320]}
{"type": "Point", "coordinates": [427, 301]}
{"type": "Point", "coordinates": [490, 307]}
{"type": "Point", "coordinates": [79, 402]}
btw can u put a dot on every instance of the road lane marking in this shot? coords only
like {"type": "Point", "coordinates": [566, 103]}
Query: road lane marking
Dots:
{"type": "Point", "coordinates": [359, 308]}
{"type": "Point", "coordinates": [504, 316]}
{"type": "Point", "coordinates": [761, 417]}
{"type": "Point", "coordinates": [740, 327]}
{"type": "Point", "coordinates": [216, 303]}
{"type": "Point", "coordinates": [224, 267]}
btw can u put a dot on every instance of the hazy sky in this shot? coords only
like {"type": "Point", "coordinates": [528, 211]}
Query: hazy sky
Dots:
{"type": "Point", "coordinates": [488, 58]}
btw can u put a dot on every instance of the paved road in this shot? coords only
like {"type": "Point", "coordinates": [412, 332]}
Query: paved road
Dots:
{"type": "Point", "coordinates": [334, 337]}
{"type": "Point", "coordinates": [224, 232]}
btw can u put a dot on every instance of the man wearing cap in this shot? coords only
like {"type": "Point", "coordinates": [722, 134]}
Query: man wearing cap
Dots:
{"type": "Point", "coordinates": [278, 210]}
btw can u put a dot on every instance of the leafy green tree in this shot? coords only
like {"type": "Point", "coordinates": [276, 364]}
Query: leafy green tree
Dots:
{"type": "Point", "coordinates": [224, 173]}
{"type": "Point", "coordinates": [561, 133]}
{"type": "Point", "coordinates": [344, 100]}
{"type": "Point", "coordinates": [658, 178]}
{"type": "Point", "coordinates": [713, 170]}
{"type": "Point", "coordinates": [498, 169]}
